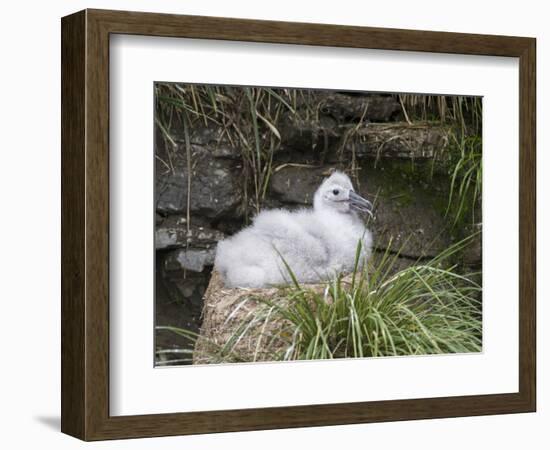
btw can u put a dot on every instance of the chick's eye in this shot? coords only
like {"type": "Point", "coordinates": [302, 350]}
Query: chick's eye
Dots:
{"type": "Point", "coordinates": [335, 191]}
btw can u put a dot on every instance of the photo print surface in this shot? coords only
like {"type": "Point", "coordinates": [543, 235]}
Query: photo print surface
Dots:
{"type": "Point", "coordinates": [302, 224]}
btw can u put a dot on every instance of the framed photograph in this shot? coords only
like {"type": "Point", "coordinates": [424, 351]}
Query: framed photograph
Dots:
{"type": "Point", "coordinates": [272, 225]}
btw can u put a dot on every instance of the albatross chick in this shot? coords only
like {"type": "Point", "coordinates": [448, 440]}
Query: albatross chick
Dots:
{"type": "Point", "coordinates": [316, 243]}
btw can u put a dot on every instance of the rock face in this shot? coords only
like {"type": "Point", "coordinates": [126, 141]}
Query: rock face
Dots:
{"type": "Point", "coordinates": [399, 141]}
{"type": "Point", "coordinates": [174, 232]}
{"type": "Point", "coordinates": [215, 188]}
{"type": "Point", "coordinates": [348, 107]}
{"type": "Point", "coordinates": [190, 259]}
{"type": "Point", "coordinates": [295, 185]}
{"type": "Point", "coordinates": [391, 161]}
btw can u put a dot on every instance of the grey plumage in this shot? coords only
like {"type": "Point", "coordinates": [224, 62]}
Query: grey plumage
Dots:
{"type": "Point", "coordinates": [316, 243]}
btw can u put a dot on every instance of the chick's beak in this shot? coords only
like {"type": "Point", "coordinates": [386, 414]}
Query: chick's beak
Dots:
{"type": "Point", "coordinates": [359, 203]}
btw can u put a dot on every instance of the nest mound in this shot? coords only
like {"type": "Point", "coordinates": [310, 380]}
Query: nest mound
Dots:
{"type": "Point", "coordinates": [237, 325]}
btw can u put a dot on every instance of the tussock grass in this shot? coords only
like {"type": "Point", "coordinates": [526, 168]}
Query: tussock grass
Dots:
{"type": "Point", "coordinates": [428, 308]}
{"type": "Point", "coordinates": [465, 112]}
{"type": "Point", "coordinates": [466, 177]}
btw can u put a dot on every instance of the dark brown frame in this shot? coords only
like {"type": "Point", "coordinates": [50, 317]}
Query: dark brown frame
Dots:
{"type": "Point", "coordinates": [85, 224]}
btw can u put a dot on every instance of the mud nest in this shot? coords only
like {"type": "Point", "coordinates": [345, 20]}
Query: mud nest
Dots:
{"type": "Point", "coordinates": [238, 327]}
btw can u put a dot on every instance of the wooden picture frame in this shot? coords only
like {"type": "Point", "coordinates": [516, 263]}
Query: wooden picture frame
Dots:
{"type": "Point", "coordinates": [85, 224]}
